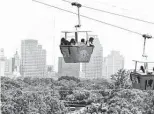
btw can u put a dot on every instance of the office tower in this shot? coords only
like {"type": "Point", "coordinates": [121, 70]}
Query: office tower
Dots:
{"type": "Point", "coordinates": [68, 69]}
{"type": "Point", "coordinates": [2, 62]}
{"type": "Point", "coordinates": [12, 66]}
{"type": "Point", "coordinates": [16, 64]}
{"type": "Point", "coordinates": [33, 59]}
{"type": "Point", "coordinates": [93, 69]}
{"type": "Point", "coordinates": [8, 67]}
{"type": "Point", "coordinates": [112, 63]}
{"type": "Point", "coordinates": [50, 72]}
{"type": "Point", "coordinates": [49, 68]}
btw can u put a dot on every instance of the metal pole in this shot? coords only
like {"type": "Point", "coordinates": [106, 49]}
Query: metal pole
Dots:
{"type": "Point", "coordinates": [135, 65]}
{"type": "Point", "coordinates": [87, 37]}
{"type": "Point", "coordinates": [76, 36]}
{"type": "Point", "coordinates": [144, 47]}
{"type": "Point", "coordinates": [78, 5]}
{"type": "Point", "coordinates": [79, 17]}
{"type": "Point", "coordinates": [65, 35]}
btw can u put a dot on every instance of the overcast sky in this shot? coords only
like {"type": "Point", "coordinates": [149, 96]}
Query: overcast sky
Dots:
{"type": "Point", "coordinates": [25, 19]}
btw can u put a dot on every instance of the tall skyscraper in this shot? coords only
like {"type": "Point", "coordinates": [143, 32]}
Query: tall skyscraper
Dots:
{"type": "Point", "coordinates": [2, 62]}
{"type": "Point", "coordinates": [33, 59]}
{"type": "Point", "coordinates": [93, 69]}
{"type": "Point", "coordinates": [112, 63]}
{"type": "Point", "coordinates": [12, 66]}
{"type": "Point", "coordinates": [68, 69]}
{"type": "Point", "coordinates": [8, 67]}
{"type": "Point", "coordinates": [16, 64]}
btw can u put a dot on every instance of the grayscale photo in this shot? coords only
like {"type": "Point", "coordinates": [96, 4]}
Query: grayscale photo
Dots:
{"type": "Point", "coordinates": [77, 57]}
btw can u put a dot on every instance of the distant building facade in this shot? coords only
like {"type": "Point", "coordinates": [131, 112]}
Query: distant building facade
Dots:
{"type": "Point", "coordinates": [68, 69]}
{"type": "Point", "coordinates": [16, 64]}
{"type": "Point", "coordinates": [50, 72]}
{"type": "Point", "coordinates": [93, 69]}
{"type": "Point", "coordinates": [49, 68]}
{"type": "Point", "coordinates": [112, 63]}
{"type": "Point", "coordinates": [8, 67]}
{"type": "Point", "coordinates": [33, 59]}
{"type": "Point", "coordinates": [2, 63]}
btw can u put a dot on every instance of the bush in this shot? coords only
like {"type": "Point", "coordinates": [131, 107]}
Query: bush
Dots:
{"type": "Point", "coordinates": [121, 80]}
{"type": "Point", "coordinates": [69, 78]}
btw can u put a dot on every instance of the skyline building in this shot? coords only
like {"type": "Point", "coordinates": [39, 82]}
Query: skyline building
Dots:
{"type": "Point", "coordinates": [8, 67]}
{"type": "Point", "coordinates": [2, 62]}
{"type": "Point", "coordinates": [33, 59]}
{"type": "Point", "coordinates": [112, 63]}
{"type": "Point", "coordinates": [93, 69]}
{"type": "Point", "coordinates": [68, 69]}
{"type": "Point", "coordinates": [12, 66]}
{"type": "Point", "coordinates": [50, 72]}
{"type": "Point", "coordinates": [16, 64]}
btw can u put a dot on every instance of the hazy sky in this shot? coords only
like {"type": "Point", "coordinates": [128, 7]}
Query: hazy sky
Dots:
{"type": "Point", "coordinates": [25, 19]}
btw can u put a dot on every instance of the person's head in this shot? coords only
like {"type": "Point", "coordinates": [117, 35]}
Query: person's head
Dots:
{"type": "Point", "coordinates": [72, 40]}
{"type": "Point", "coordinates": [91, 39]}
{"type": "Point", "coordinates": [82, 40]}
{"type": "Point", "coordinates": [62, 39]}
{"type": "Point", "coordinates": [142, 68]}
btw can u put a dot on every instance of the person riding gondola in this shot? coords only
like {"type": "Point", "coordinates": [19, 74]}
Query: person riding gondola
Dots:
{"type": "Point", "coordinates": [91, 39]}
{"type": "Point", "coordinates": [82, 43]}
{"type": "Point", "coordinates": [142, 69]}
{"type": "Point", "coordinates": [72, 42]}
{"type": "Point", "coordinates": [64, 41]}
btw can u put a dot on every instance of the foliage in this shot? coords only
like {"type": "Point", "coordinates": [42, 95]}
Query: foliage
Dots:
{"type": "Point", "coordinates": [69, 78]}
{"type": "Point", "coordinates": [121, 79]}
{"type": "Point", "coordinates": [47, 96]}
{"type": "Point", "coordinates": [126, 101]}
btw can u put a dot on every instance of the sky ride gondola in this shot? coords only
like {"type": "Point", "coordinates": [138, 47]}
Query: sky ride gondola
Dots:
{"type": "Point", "coordinates": [77, 53]}
{"type": "Point", "coordinates": [143, 78]}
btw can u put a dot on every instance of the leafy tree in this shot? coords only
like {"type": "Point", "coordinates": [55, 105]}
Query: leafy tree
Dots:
{"type": "Point", "coordinates": [64, 91]}
{"type": "Point", "coordinates": [80, 95]}
{"type": "Point", "coordinates": [121, 79]}
{"type": "Point", "coordinates": [69, 78]}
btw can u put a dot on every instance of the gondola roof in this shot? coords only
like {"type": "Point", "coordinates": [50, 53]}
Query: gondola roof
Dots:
{"type": "Point", "coordinates": [143, 61]}
{"type": "Point", "coordinates": [74, 31]}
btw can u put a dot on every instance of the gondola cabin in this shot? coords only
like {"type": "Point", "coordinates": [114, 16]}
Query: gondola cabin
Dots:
{"type": "Point", "coordinates": [143, 76]}
{"type": "Point", "coordinates": [75, 51]}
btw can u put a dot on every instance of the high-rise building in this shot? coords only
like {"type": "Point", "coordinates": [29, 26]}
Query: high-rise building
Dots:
{"type": "Point", "coordinates": [33, 59]}
{"type": "Point", "coordinates": [93, 69]}
{"type": "Point", "coordinates": [50, 72]}
{"type": "Point", "coordinates": [112, 63]}
{"type": "Point", "coordinates": [16, 64]}
{"type": "Point", "coordinates": [68, 69]}
{"type": "Point", "coordinates": [2, 62]}
{"type": "Point", "coordinates": [8, 67]}
{"type": "Point", "coordinates": [12, 66]}
{"type": "Point", "coordinates": [49, 68]}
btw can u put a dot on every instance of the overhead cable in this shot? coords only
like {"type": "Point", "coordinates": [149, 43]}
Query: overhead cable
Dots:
{"type": "Point", "coordinates": [104, 11]}
{"type": "Point", "coordinates": [89, 18]}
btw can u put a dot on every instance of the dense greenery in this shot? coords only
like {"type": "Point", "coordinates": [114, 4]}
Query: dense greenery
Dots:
{"type": "Point", "coordinates": [47, 96]}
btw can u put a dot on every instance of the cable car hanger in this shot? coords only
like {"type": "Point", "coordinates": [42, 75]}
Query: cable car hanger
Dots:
{"type": "Point", "coordinates": [145, 36]}
{"type": "Point", "coordinates": [78, 6]}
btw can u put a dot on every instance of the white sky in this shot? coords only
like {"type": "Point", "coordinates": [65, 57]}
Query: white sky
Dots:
{"type": "Point", "coordinates": [25, 19]}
